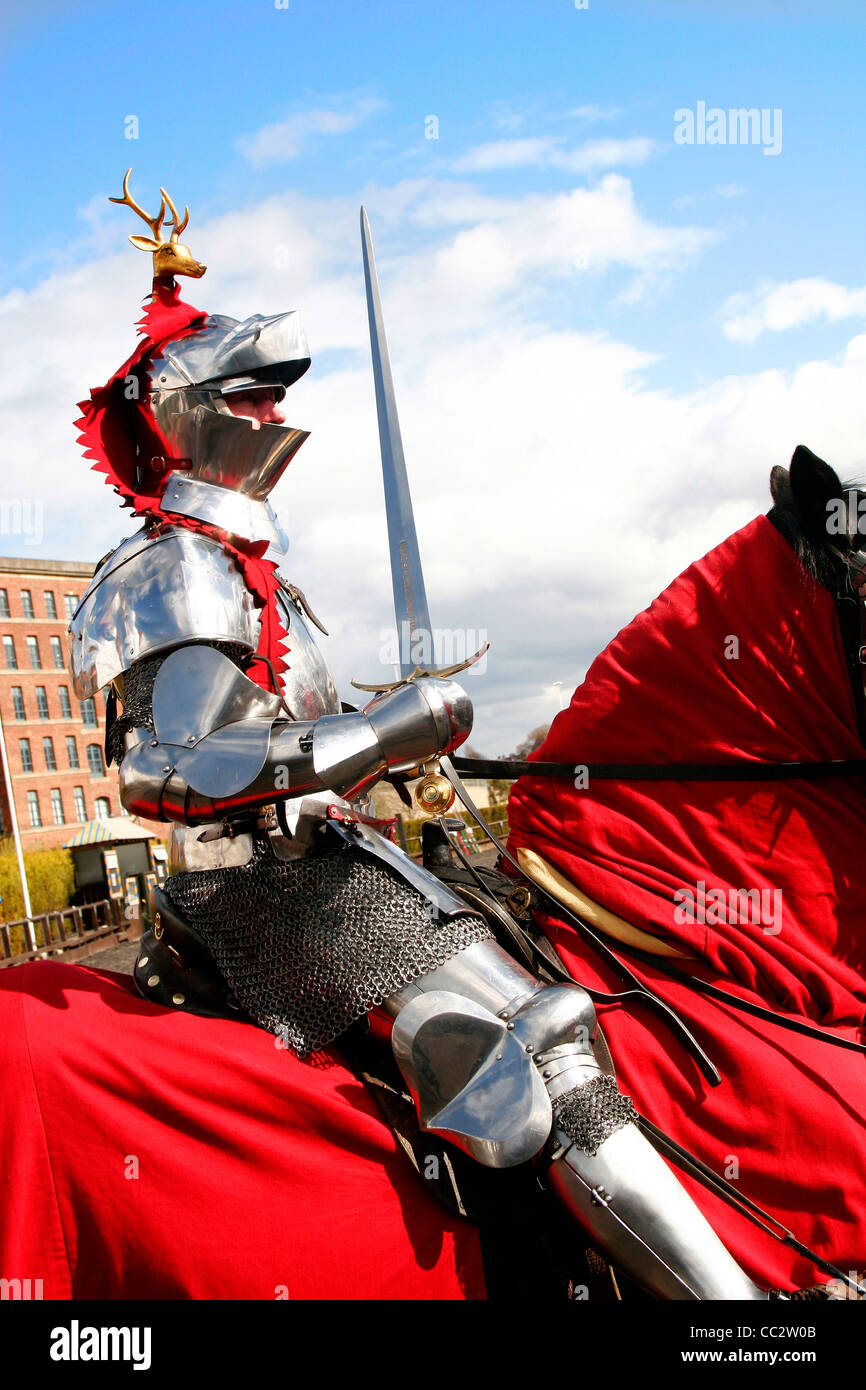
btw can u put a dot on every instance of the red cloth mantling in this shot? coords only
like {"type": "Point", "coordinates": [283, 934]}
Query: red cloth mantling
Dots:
{"type": "Point", "coordinates": [118, 430]}
{"type": "Point", "coordinates": [740, 657]}
{"type": "Point", "coordinates": [119, 433]}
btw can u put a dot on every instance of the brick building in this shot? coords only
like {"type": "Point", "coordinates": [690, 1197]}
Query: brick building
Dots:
{"type": "Point", "coordinates": [54, 742]}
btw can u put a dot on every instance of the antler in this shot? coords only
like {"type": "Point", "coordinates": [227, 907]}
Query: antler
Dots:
{"type": "Point", "coordinates": [169, 257]}
{"type": "Point", "coordinates": [154, 223]}
{"type": "Point", "coordinates": [178, 226]}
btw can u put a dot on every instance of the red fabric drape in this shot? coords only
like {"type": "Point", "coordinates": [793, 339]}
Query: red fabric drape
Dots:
{"type": "Point", "coordinates": [151, 1154]}
{"type": "Point", "coordinates": [740, 657]}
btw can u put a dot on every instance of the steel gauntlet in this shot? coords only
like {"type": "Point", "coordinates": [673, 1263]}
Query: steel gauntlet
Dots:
{"type": "Point", "coordinates": [395, 732]}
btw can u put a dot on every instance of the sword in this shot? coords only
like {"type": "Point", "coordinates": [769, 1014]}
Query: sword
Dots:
{"type": "Point", "coordinates": [410, 596]}
{"type": "Point", "coordinates": [414, 630]}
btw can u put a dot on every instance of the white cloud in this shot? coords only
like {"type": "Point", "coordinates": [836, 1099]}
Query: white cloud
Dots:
{"type": "Point", "coordinates": [556, 492]}
{"type": "Point", "coordinates": [595, 113]}
{"type": "Point", "coordinates": [550, 152]}
{"type": "Point", "coordinates": [275, 144]}
{"type": "Point", "coordinates": [776, 307]}
{"type": "Point", "coordinates": [508, 154]}
{"type": "Point", "coordinates": [725, 191]}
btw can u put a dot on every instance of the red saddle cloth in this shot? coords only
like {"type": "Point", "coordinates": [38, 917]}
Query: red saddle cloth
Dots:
{"type": "Point", "coordinates": [739, 658]}
{"type": "Point", "coordinates": [156, 1155]}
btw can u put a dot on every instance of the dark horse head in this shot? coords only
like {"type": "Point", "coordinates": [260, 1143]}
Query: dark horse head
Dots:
{"type": "Point", "coordinates": [821, 517]}
{"type": "Point", "coordinates": [825, 521]}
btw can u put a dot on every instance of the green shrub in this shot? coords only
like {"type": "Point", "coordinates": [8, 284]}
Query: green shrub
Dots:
{"type": "Point", "coordinates": [50, 877]}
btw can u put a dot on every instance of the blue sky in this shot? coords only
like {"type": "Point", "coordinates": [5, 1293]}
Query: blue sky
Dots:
{"type": "Point", "coordinates": [664, 315]}
{"type": "Point", "coordinates": [200, 77]}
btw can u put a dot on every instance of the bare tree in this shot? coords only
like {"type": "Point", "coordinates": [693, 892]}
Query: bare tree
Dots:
{"type": "Point", "coordinates": [531, 742]}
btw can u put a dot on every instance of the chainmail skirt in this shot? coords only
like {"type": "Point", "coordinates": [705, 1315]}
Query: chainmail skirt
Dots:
{"type": "Point", "coordinates": [310, 945]}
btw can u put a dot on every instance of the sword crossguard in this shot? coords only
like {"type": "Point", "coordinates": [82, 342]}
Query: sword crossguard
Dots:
{"type": "Point", "coordinates": [442, 674]}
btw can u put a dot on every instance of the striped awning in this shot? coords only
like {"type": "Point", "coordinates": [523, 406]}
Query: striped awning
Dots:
{"type": "Point", "coordinates": [113, 829]}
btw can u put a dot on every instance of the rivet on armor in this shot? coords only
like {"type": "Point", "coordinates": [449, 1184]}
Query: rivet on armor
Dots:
{"type": "Point", "coordinates": [546, 1074]}
{"type": "Point", "coordinates": [510, 1027]}
{"type": "Point", "coordinates": [166, 769]}
{"type": "Point", "coordinates": [154, 743]}
{"type": "Point", "coordinates": [178, 999]}
{"type": "Point", "coordinates": [529, 1047]}
{"type": "Point", "coordinates": [190, 738]}
{"type": "Point", "coordinates": [153, 981]}
{"type": "Point", "coordinates": [142, 960]}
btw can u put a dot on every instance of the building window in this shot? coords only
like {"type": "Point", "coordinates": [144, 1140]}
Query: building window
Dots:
{"type": "Point", "coordinates": [57, 653]}
{"type": "Point", "coordinates": [33, 808]}
{"type": "Point", "coordinates": [10, 653]}
{"type": "Point", "coordinates": [48, 751]}
{"type": "Point", "coordinates": [88, 714]}
{"type": "Point", "coordinates": [18, 702]}
{"type": "Point", "coordinates": [42, 702]}
{"type": "Point", "coordinates": [57, 806]}
{"type": "Point", "coordinates": [27, 604]}
{"type": "Point", "coordinates": [26, 755]}
{"type": "Point", "coordinates": [94, 760]}
{"type": "Point", "coordinates": [80, 808]}
{"type": "Point", "coordinates": [50, 605]}
{"type": "Point", "coordinates": [70, 603]}
{"type": "Point", "coordinates": [4, 604]}
{"type": "Point", "coordinates": [65, 706]}
{"type": "Point", "coordinates": [103, 808]}
{"type": "Point", "coordinates": [72, 751]}
{"type": "Point", "coordinates": [33, 653]}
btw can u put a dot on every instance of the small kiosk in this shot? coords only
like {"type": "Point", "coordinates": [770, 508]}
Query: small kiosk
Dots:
{"type": "Point", "coordinates": [116, 858]}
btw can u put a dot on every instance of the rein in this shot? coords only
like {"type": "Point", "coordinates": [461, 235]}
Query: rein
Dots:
{"type": "Point", "coordinates": [739, 770]}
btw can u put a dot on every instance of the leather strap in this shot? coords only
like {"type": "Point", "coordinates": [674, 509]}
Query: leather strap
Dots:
{"type": "Point", "coordinates": [743, 770]}
{"type": "Point", "coordinates": [175, 968]}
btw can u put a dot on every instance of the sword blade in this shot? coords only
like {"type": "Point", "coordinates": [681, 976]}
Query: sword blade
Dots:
{"type": "Point", "coordinates": [415, 635]}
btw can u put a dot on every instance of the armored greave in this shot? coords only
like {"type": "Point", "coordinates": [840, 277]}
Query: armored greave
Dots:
{"type": "Point", "coordinates": [504, 1068]}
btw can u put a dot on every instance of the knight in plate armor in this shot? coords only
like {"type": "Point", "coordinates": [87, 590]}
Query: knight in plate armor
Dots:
{"type": "Point", "coordinates": [286, 907]}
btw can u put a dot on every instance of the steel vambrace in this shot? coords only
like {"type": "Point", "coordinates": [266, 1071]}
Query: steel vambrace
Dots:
{"type": "Point", "coordinates": [200, 765]}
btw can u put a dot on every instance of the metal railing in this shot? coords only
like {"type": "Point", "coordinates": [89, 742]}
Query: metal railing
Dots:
{"type": "Point", "coordinates": [56, 932]}
{"type": "Point", "coordinates": [498, 824]}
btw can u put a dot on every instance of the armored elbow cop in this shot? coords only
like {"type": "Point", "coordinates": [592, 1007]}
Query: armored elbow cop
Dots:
{"type": "Point", "coordinates": [219, 744]}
